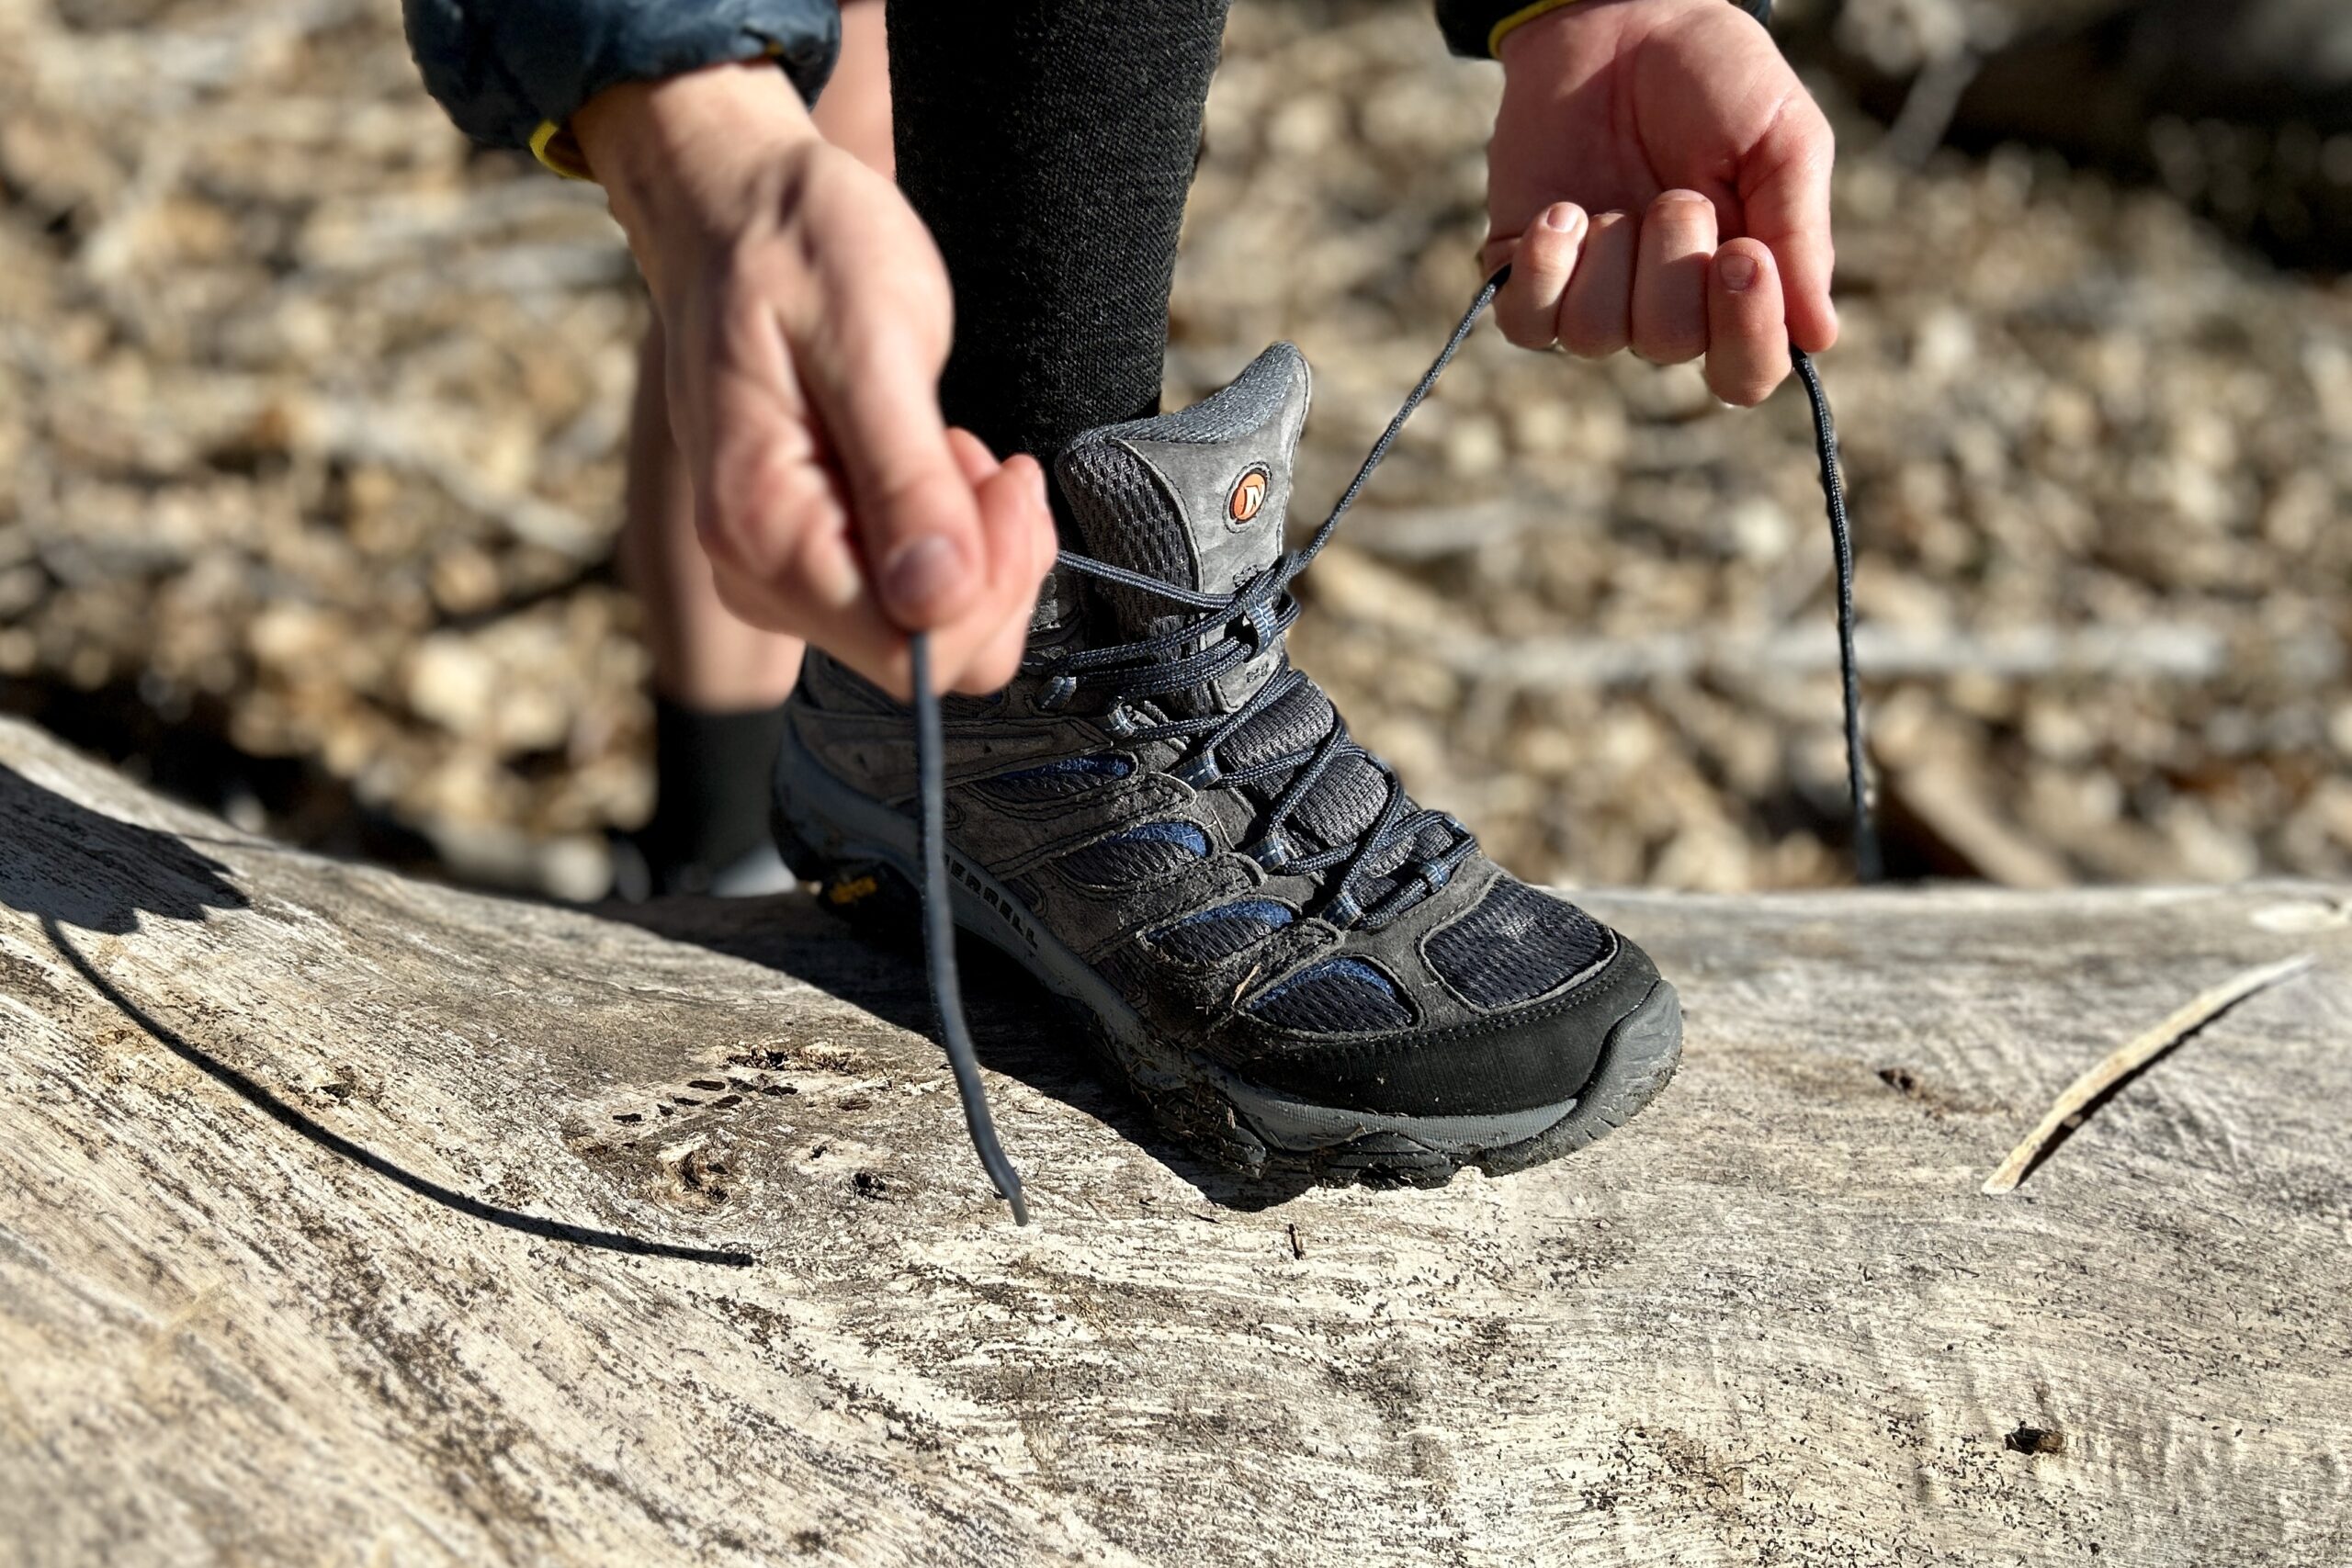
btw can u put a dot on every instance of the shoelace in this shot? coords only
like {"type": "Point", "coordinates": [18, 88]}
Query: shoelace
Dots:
{"type": "Point", "coordinates": [1232, 630]}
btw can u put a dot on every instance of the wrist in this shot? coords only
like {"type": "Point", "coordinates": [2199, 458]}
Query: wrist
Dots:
{"type": "Point", "coordinates": [671, 153]}
{"type": "Point", "coordinates": [1565, 31]}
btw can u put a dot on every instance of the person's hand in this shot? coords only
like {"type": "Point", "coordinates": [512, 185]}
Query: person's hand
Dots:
{"type": "Point", "coordinates": [805, 313]}
{"type": "Point", "coordinates": [1660, 180]}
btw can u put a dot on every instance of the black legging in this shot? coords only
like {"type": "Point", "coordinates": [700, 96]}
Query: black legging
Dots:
{"type": "Point", "coordinates": [1049, 144]}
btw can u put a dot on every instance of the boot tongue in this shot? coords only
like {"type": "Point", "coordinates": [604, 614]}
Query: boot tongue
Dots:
{"type": "Point", "coordinates": [1196, 498]}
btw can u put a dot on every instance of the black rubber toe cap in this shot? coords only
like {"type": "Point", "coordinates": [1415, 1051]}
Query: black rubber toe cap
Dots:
{"type": "Point", "coordinates": [1539, 1055]}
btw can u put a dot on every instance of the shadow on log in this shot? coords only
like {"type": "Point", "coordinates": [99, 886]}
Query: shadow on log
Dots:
{"type": "Point", "coordinates": [344, 1218]}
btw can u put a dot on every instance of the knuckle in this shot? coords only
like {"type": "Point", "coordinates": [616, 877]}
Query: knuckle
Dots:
{"type": "Point", "coordinates": [748, 599]}
{"type": "Point", "coordinates": [901, 497]}
{"type": "Point", "coordinates": [1666, 348]}
{"type": "Point", "coordinates": [1523, 333]}
{"type": "Point", "coordinates": [1741, 386]}
{"type": "Point", "coordinates": [1592, 340]}
{"type": "Point", "coordinates": [757, 506]}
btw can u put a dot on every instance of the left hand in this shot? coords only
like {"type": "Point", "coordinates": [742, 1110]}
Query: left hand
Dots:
{"type": "Point", "coordinates": [1659, 179]}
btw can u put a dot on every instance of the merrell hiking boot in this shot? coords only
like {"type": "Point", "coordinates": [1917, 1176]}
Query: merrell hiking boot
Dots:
{"type": "Point", "coordinates": [1295, 965]}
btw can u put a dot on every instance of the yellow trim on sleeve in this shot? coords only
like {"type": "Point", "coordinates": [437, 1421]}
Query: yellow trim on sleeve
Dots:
{"type": "Point", "coordinates": [554, 146]}
{"type": "Point", "coordinates": [1520, 17]}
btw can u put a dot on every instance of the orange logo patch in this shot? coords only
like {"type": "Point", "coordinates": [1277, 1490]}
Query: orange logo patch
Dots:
{"type": "Point", "coordinates": [1248, 495]}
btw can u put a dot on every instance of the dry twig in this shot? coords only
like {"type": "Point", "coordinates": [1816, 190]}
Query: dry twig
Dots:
{"type": "Point", "coordinates": [2130, 1058]}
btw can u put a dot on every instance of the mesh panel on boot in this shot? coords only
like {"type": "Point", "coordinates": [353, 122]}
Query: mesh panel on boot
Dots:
{"type": "Point", "coordinates": [1338, 996]}
{"type": "Point", "coordinates": [1126, 519]}
{"type": "Point", "coordinates": [1214, 935]}
{"type": "Point", "coordinates": [1139, 854]}
{"type": "Point", "coordinates": [1296, 723]}
{"type": "Point", "coordinates": [1057, 780]}
{"type": "Point", "coordinates": [1347, 796]}
{"type": "Point", "coordinates": [1515, 945]}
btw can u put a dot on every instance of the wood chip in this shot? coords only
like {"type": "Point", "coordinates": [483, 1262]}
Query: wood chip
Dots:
{"type": "Point", "coordinates": [2130, 1058]}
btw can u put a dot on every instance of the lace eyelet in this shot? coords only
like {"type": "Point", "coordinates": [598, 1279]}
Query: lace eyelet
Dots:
{"type": "Point", "coordinates": [1272, 852]}
{"type": "Point", "coordinates": [1201, 771]}
{"type": "Point", "coordinates": [1121, 720]}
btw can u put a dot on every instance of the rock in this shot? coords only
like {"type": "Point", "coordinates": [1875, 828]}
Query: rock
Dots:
{"type": "Point", "coordinates": [311, 425]}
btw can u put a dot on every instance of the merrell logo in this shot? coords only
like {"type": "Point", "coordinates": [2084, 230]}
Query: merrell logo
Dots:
{"type": "Point", "coordinates": [1004, 908]}
{"type": "Point", "coordinates": [1248, 495]}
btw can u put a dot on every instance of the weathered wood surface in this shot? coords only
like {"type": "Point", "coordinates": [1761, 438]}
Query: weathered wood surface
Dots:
{"type": "Point", "coordinates": [345, 1219]}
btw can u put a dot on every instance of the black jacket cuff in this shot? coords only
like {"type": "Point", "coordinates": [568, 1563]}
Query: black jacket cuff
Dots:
{"type": "Point", "coordinates": [1469, 25]}
{"type": "Point", "coordinates": [505, 68]}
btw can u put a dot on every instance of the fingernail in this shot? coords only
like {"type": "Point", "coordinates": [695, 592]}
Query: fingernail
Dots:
{"type": "Point", "coordinates": [1738, 269]}
{"type": "Point", "coordinates": [921, 573]}
{"type": "Point", "coordinates": [1563, 216]}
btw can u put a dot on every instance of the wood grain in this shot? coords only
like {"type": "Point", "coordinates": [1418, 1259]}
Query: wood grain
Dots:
{"type": "Point", "coordinates": [347, 1219]}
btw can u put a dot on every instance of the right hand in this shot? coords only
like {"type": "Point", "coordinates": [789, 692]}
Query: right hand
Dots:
{"type": "Point", "coordinates": [807, 314]}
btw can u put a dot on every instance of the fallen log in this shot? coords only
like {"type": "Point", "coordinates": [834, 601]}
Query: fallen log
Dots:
{"type": "Point", "coordinates": [349, 1219]}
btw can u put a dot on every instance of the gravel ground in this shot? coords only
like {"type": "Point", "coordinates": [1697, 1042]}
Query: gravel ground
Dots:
{"type": "Point", "coordinates": [311, 423]}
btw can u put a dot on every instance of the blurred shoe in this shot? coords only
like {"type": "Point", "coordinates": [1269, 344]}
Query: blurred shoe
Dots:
{"type": "Point", "coordinates": [1296, 967]}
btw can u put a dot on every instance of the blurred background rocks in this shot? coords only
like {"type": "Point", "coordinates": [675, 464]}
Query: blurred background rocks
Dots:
{"type": "Point", "coordinates": [310, 425]}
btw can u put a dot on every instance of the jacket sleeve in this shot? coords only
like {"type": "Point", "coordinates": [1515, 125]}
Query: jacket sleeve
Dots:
{"type": "Point", "coordinates": [512, 71]}
{"type": "Point", "coordinates": [1473, 28]}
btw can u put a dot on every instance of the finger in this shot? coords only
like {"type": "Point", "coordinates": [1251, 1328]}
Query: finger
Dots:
{"type": "Point", "coordinates": [1528, 307]}
{"type": "Point", "coordinates": [1669, 315]}
{"type": "Point", "coordinates": [1784, 187]}
{"type": "Point", "coordinates": [1595, 313]}
{"type": "Point", "coordinates": [861, 638]}
{"type": "Point", "coordinates": [985, 647]}
{"type": "Point", "coordinates": [998, 660]}
{"type": "Point", "coordinates": [973, 458]}
{"type": "Point", "coordinates": [767, 502]}
{"type": "Point", "coordinates": [979, 651]}
{"type": "Point", "coordinates": [1747, 334]}
{"type": "Point", "coordinates": [767, 505]}
{"type": "Point", "coordinates": [917, 520]}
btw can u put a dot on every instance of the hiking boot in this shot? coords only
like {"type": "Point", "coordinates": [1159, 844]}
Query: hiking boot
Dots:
{"type": "Point", "coordinates": [1295, 965]}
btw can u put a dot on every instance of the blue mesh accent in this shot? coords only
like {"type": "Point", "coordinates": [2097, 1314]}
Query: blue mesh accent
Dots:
{"type": "Point", "coordinates": [1338, 996]}
{"type": "Point", "coordinates": [1214, 935]}
{"type": "Point", "coordinates": [1057, 780]}
{"type": "Point", "coordinates": [1515, 945]}
{"type": "Point", "coordinates": [1139, 854]}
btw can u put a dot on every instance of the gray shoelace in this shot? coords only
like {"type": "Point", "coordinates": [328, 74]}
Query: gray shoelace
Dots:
{"type": "Point", "coordinates": [1231, 629]}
